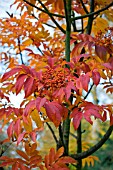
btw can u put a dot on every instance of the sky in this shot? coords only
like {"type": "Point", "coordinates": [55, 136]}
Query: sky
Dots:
{"type": "Point", "coordinates": [5, 6]}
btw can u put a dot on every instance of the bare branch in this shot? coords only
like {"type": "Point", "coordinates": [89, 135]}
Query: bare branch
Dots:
{"type": "Point", "coordinates": [52, 131]}
{"type": "Point", "coordinates": [20, 52]}
{"type": "Point", "coordinates": [84, 7]}
{"type": "Point", "coordinates": [49, 14]}
{"type": "Point", "coordinates": [93, 13]}
{"type": "Point", "coordinates": [95, 147]}
{"type": "Point", "coordinates": [56, 15]}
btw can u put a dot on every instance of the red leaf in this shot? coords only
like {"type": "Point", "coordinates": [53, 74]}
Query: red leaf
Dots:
{"type": "Point", "coordinates": [10, 130]}
{"type": "Point", "coordinates": [51, 156]}
{"type": "Point", "coordinates": [20, 137]}
{"type": "Point", "coordinates": [96, 77]}
{"type": "Point", "coordinates": [23, 167]}
{"type": "Point", "coordinates": [17, 127]}
{"type": "Point", "coordinates": [100, 51]}
{"type": "Point", "coordinates": [104, 116]}
{"type": "Point", "coordinates": [67, 159]}
{"type": "Point", "coordinates": [111, 119]}
{"type": "Point", "coordinates": [64, 112]}
{"type": "Point", "coordinates": [20, 82]}
{"type": "Point", "coordinates": [77, 49]}
{"type": "Point", "coordinates": [33, 136]}
{"type": "Point", "coordinates": [60, 94]}
{"type": "Point", "coordinates": [85, 79]}
{"type": "Point", "coordinates": [29, 86]}
{"type": "Point", "coordinates": [29, 107]}
{"type": "Point", "coordinates": [10, 73]}
{"type": "Point", "coordinates": [77, 116]}
{"type": "Point", "coordinates": [91, 112]}
{"type": "Point", "coordinates": [77, 58]}
{"type": "Point", "coordinates": [51, 61]}
{"type": "Point", "coordinates": [40, 102]}
{"type": "Point", "coordinates": [22, 154]}
{"type": "Point", "coordinates": [15, 166]}
{"type": "Point", "coordinates": [68, 89]}
{"type": "Point", "coordinates": [108, 65]}
{"type": "Point", "coordinates": [54, 110]}
{"type": "Point", "coordinates": [25, 69]}
{"type": "Point", "coordinates": [6, 163]}
{"type": "Point", "coordinates": [59, 153]}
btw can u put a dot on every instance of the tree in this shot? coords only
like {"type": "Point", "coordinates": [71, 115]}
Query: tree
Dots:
{"type": "Point", "coordinates": [66, 55]}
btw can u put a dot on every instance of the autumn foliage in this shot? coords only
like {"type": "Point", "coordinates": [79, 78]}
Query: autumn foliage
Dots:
{"type": "Point", "coordinates": [55, 62]}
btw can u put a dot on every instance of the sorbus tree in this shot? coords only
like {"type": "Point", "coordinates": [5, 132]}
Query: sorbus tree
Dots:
{"type": "Point", "coordinates": [56, 52]}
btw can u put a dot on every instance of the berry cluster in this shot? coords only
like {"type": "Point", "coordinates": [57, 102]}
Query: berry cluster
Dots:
{"type": "Point", "coordinates": [52, 79]}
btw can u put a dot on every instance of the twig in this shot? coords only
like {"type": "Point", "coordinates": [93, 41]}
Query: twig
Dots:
{"type": "Point", "coordinates": [56, 15]}
{"type": "Point", "coordinates": [52, 131]}
{"type": "Point", "coordinates": [21, 57]}
{"type": "Point", "coordinates": [84, 7]}
{"type": "Point", "coordinates": [73, 135]}
{"type": "Point", "coordinates": [92, 13]}
{"type": "Point", "coordinates": [44, 23]}
{"type": "Point", "coordinates": [49, 14]}
{"type": "Point", "coordinates": [88, 91]}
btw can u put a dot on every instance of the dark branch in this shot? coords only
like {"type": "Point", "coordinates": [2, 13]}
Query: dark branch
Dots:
{"type": "Point", "coordinates": [20, 52]}
{"type": "Point", "coordinates": [95, 147]}
{"type": "Point", "coordinates": [74, 136]}
{"type": "Point", "coordinates": [91, 18]}
{"type": "Point", "coordinates": [84, 7]}
{"type": "Point", "coordinates": [47, 12]}
{"type": "Point", "coordinates": [88, 91]}
{"type": "Point", "coordinates": [56, 15]}
{"type": "Point", "coordinates": [52, 131]}
{"type": "Point", "coordinates": [51, 16]}
{"type": "Point", "coordinates": [44, 23]}
{"type": "Point", "coordinates": [92, 13]}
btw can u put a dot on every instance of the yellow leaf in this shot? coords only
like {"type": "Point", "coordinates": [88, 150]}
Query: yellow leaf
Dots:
{"type": "Point", "coordinates": [28, 124]}
{"type": "Point", "coordinates": [89, 160]}
{"type": "Point", "coordinates": [103, 2]}
{"type": "Point", "coordinates": [99, 24]}
{"type": "Point", "coordinates": [30, 8]}
{"type": "Point", "coordinates": [36, 118]}
{"type": "Point", "coordinates": [109, 14]}
{"type": "Point", "coordinates": [27, 42]}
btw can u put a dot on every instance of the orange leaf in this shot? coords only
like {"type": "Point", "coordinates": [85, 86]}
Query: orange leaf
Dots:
{"type": "Point", "coordinates": [59, 153]}
{"type": "Point", "coordinates": [22, 154]}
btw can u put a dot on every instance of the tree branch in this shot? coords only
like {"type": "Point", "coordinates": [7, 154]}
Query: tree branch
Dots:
{"type": "Point", "coordinates": [56, 15]}
{"type": "Point", "coordinates": [90, 19]}
{"type": "Point", "coordinates": [52, 131]}
{"type": "Point", "coordinates": [95, 147]}
{"type": "Point", "coordinates": [92, 13]}
{"type": "Point", "coordinates": [88, 91]}
{"type": "Point", "coordinates": [50, 15]}
{"type": "Point", "coordinates": [21, 57]}
{"type": "Point", "coordinates": [84, 7]}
